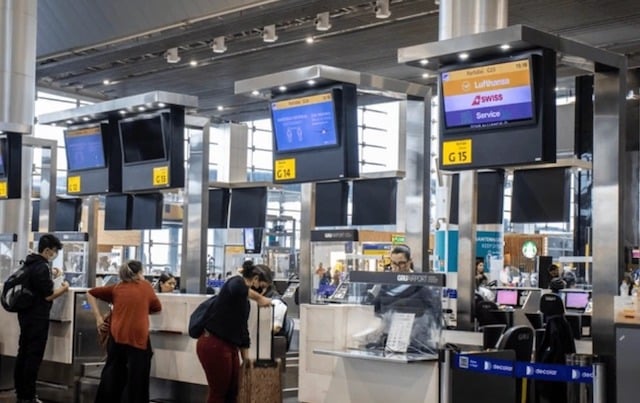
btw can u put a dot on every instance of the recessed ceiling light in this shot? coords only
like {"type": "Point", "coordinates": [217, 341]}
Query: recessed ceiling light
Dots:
{"type": "Point", "coordinates": [161, 104]}
{"type": "Point", "coordinates": [106, 82]}
{"type": "Point", "coordinates": [255, 93]}
{"type": "Point", "coordinates": [505, 46]}
{"type": "Point", "coordinates": [220, 107]}
{"type": "Point", "coordinates": [193, 63]}
{"type": "Point", "coordinates": [141, 108]}
{"type": "Point", "coordinates": [424, 62]}
{"type": "Point", "coordinates": [309, 39]}
{"type": "Point", "coordinates": [311, 82]}
{"type": "Point", "coordinates": [85, 118]}
{"type": "Point", "coordinates": [69, 121]}
{"type": "Point", "coordinates": [123, 112]}
{"type": "Point", "coordinates": [463, 56]}
{"type": "Point", "coordinates": [282, 88]}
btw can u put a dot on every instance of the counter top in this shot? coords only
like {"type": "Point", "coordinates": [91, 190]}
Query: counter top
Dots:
{"type": "Point", "coordinates": [378, 355]}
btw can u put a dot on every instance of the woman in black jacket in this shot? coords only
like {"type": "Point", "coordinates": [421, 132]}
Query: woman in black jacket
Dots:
{"type": "Point", "coordinates": [225, 333]}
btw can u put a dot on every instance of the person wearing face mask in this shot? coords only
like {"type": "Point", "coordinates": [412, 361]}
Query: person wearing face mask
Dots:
{"type": "Point", "coordinates": [266, 288]}
{"type": "Point", "coordinates": [34, 321]}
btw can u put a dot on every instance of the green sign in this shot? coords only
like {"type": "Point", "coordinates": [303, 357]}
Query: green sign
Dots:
{"type": "Point", "coordinates": [398, 239]}
{"type": "Point", "coordinates": [529, 249]}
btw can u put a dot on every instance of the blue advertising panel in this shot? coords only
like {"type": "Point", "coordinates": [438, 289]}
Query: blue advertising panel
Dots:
{"type": "Point", "coordinates": [488, 243]}
{"type": "Point", "coordinates": [305, 122]}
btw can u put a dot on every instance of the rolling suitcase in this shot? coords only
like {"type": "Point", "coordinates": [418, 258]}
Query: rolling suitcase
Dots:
{"type": "Point", "coordinates": [260, 377]}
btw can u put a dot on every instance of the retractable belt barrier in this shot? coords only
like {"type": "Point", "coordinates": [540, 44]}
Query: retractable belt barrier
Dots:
{"type": "Point", "coordinates": [527, 370]}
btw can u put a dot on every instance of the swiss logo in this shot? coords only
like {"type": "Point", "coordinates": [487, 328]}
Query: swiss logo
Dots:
{"type": "Point", "coordinates": [482, 99]}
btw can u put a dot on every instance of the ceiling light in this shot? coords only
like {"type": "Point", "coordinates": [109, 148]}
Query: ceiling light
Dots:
{"type": "Point", "coordinates": [269, 34]}
{"type": "Point", "coordinates": [425, 75]}
{"type": "Point", "coordinates": [311, 82]}
{"type": "Point", "coordinates": [505, 46]}
{"type": "Point", "coordinates": [193, 63]}
{"type": "Point", "coordinates": [322, 21]}
{"type": "Point", "coordinates": [141, 108]}
{"type": "Point", "coordinates": [309, 40]}
{"type": "Point", "coordinates": [106, 82]}
{"type": "Point", "coordinates": [218, 45]}
{"type": "Point", "coordinates": [220, 107]}
{"type": "Point", "coordinates": [282, 88]}
{"type": "Point", "coordinates": [463, 56]}
{"type": "Point", "coordinates": [161, 104]}
{"type": "Point", "coordinates": [172, 55]}
{"type": "Point", "coordinates": [85, 118]}
{"type": "Point", "coordinates": [123, 112]}
{"type": "Point", "coordinates": [382, 9]}
{"type": "Point", "coordinates": [424, 62]}
{"type": "Point", "coordinates": [255, 93]}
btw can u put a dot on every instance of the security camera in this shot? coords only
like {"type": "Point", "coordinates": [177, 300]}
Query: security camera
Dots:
{"type": "Point", "coordinates": [322, 22]}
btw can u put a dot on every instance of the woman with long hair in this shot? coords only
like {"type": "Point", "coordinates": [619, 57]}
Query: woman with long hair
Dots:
{"type": "Point", "coordinates": [125, 376]}
{"type": "Point", "coordinates": [226, 334]}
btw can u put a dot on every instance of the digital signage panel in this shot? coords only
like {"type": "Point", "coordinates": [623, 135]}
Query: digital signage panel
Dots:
{"type": "Point", "coordinates": [84, 148]}
{"type": "Point", "coordinates": [488, 96]}
{"type": "Point", "coordinates": [304, 123]}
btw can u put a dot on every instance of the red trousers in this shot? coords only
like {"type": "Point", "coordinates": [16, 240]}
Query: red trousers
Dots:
{"type": "Point", "coordinates": [221, 366]}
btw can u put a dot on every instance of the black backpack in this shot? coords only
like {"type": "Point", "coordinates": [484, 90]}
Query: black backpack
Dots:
{"type": "Point", "coordinates": [16, 295]}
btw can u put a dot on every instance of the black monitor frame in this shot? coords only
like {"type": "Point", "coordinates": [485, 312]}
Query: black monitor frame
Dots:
{"type": "Point", "coordinates": [77, 131]}
{"type": "Point", "coordinates": [11, 178]}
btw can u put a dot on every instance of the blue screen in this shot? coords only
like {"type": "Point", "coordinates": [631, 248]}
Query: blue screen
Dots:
{"type": "Point", "coordinates": [84, 149]}
{"type": "Point", "coordinates": [305, 122]}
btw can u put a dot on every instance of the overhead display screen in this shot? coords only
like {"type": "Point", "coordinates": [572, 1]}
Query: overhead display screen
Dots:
{"type": "Point", "coordinates": [304, 123]}
{"type": "Point", "coordinates": [488, 96]}
{"type": "Point", "coordinates": [84, 148]}
{"type": "Point", "coordinates": [3, 148]}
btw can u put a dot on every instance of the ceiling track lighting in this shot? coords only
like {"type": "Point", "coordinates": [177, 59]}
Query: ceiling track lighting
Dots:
{"type": "Point", "coordinates": [172, 56]}
{"type": "Point", "coordinates": [322, 22]}
{"type": "Point", "coordinates": [269, 34]}
{"type": "Point", "coordinates": [218, 45]}
{"type": "Point", "coordinates": [382, 9]}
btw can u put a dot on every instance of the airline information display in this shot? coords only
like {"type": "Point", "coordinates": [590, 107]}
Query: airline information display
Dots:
{"type": "Point", "coordinates": [304, 123]}
{"type": "Point", "coordinates": [488, 96]}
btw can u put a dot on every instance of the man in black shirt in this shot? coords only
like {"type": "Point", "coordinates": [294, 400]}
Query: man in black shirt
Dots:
{"type": "Point", "coordinates": [34, 321]}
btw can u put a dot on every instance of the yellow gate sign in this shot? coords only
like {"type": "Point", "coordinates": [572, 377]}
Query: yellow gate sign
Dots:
{"type": "Point", "coordinates": [456, 152]}
{"type": "Point", "coordinates": [285, 169]}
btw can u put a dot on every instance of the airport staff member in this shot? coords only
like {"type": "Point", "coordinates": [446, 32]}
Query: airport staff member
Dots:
{"type": "Point", "coordinates": [401, 259]}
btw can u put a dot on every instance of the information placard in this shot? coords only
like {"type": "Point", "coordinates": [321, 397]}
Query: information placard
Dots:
{"type": "Point", "coordinates": [74, 184]}
{"type": "Point", "coordinates": [161, 176]}
{"type": "Point", "coordinates": [457, 152]}
{"type": "Point", "coordinates": [285, 169]}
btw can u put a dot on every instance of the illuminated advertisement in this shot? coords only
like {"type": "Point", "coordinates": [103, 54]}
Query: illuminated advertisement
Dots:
{"type": "Point", "coordinates": [487, 96]}
{"type": "Point", "coordinates": [304, 123]}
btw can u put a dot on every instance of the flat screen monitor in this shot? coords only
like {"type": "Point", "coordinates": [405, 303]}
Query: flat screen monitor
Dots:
{"type": "Point", "coordinates": [3, 156]}
{"type": "Point", "coordinates": [507, 297]}
{"type": "Point", "coordinates": [540, 195]}
{"type": "Point", "coordinates": [248, 208]}
{"type": "Point", "coordinates": [488, 95]}
{"type": "Point", "coordinates": [68, 214]}
{"type": "Point", "coordinates": [304, 123]}
{"type": "Point", "coordinates": [84, 148]}
{"type": "Point", "coordinates": [143, 138]}
{"type": "Point", "coordinates": [146, 211]}
{"type": "Point", "coordinates": [374, 201]}
{"type": "Point", "coordinates": [252, 239]}
{"type": "Point", "coordinates": [635, 253]}
{"type": "Point", "coordinates": [576, 300]}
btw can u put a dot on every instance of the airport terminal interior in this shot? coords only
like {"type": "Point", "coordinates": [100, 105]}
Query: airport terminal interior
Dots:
{"type": "Point", "coordinates": [446, 192]}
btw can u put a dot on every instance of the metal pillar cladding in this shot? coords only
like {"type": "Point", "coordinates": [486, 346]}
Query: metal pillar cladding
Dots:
{"type": "Point", "coordinates": [18, 25]}
{"type": "Point", "coordinates": [417, 182]}
{"type": "Point", "coordinates": [609, 191]}
{"type": "Point", "coordinates": [459, 18]}
{"type": "Point", "coordinates": [307, 223]}
{"type": "Point", "coordinates": [196, 208]}
{"type": "Point", "coordinates": [233, 141]}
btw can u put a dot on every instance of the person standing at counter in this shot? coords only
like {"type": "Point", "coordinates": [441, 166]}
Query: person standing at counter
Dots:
{"type": "Point", "coordinates": [401, 259]}
{"type": "Point", "coordinates": [34, 321]}
{"type": "Point", "coordinates": [125, 376]}
{"type": "Point", "coordinates": [226, 332]}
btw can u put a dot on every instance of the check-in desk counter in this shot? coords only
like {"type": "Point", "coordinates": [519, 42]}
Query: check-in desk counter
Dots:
{"type": "Point", "coordinates": [174, 352]}
{"type": "Point", "coordinates": [72, 341]}
{"type": "Point", "coordinates": [381, 346]}
{"type": "Point", "coordinates": [627, 323]}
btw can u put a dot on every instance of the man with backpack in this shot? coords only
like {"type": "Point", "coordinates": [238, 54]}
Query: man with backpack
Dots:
{"type": "Point", "coordinates": [34, 319]}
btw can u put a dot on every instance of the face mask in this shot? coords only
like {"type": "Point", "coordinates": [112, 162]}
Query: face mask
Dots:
{"type": "Point", "coordinates": [257, 289]}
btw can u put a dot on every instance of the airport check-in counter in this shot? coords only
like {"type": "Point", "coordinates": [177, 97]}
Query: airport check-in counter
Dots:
{"type": "Point", "coordinates": [72, 341]}
{"type": "Point", "coordinates": [377, 343]}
